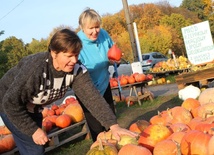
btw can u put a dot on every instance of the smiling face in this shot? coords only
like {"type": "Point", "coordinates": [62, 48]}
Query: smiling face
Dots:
{"type": "Point", "coordinates": [64, 61]}
{"type": "Point", "coordinates": [91, 30]}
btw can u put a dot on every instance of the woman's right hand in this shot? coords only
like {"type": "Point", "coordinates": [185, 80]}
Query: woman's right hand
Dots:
{"type": "Point", "coordinates": [40, 137]}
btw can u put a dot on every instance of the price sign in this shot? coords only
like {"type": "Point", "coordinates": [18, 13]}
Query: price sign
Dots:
{"type": "Point", "coordinates": [198, 42]}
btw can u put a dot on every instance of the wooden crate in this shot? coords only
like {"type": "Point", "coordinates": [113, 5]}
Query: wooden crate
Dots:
{"type": "Point", "coordinates": [198, 78]}
{"type": "Point", "coordinates": [61, 136]}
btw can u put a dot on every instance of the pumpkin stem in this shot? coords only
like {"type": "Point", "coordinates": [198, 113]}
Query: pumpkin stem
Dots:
{"type": "Point", "coordinates": [100, 144]}
{"type": "Point", "coordinates": [178, 147]}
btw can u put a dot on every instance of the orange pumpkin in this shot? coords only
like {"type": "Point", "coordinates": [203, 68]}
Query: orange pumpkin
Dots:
{"type": "Point", "coordinates": [7, 143]}
{"type": "Point", "coordinates": [47, 125]}
{"type": "Point", "coordinates": [75, 111]}
{"type": "Point", "coordinates": [179, 114]}
{"type": "Point", "coordinates": [178, 127]}
{"type": "Point", "coordinates": [177, 136]}
{"type": "Point", "coordinates": [139, 126]}
{"type": "Point", "coordinates": [171, 149]}
{"type": "Point", "coordinates": [51, 118]}
{"type": "Point", "coordinates": [160, 118]}
{"type": "Point", "coordinates": [114, 53]}
{"type": "Point", "coordinates": [131, 79]}
{"type": "Point", "coordinates": [206, 110]}
{"type": "Point", "coordinates": [195, 142]}
{"type": "Point", "coordinates": [132, 149]}
{"type": "Point", "coordinates": [153, 134]}
{"type": "Point", "coordinates": [191, 104]}
{"type": "Point", "coordinates": [63, 121]}
{"type": "Point", "coordinates": [4, 130]}
{"type": "Point", "coordinates": [210, 147]}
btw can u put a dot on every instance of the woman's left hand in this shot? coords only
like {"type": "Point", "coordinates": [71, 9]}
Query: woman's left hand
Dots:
{"type": "Point", "coordinates": [117, 131]}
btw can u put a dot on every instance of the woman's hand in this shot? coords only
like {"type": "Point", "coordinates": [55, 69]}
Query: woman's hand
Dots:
{"type": "Point", "coordinates": [40, 137]}
{"type": "Point", "coordinates": [113, 61]}
{"type": "Point", "coordinates": [117, 131]}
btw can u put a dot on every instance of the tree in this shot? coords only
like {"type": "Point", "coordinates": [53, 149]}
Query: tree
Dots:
{"type": "Point", "coordinates": [37, 46]}
{"type": "Point", "coordinates": [15, 50]}
{"type": "Point", "coordinates": [196, 6]}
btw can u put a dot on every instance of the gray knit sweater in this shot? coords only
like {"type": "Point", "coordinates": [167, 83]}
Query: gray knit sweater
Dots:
{"type": "Point", "coordinates": [34, 81]}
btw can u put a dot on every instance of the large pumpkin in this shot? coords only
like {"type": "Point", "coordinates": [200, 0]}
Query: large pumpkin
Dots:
{"type": "Point", "coordinates": [195, 142]}
{"type": "Point", "coordinates": [171, 149]}
{"type": "Point", "coordinates": [206, 110]}
{"type": "Point", "coordinates": [191, 104]}
{"type": "Point", "coordinates": [114, 53]}
{"type": "Point", "coordinates": [139, 126]}
{"type": "Point", "coordinates": [206, 96]}
{"type": "Point", "coordinates": [7, 143]}
{"type": "Point", "coordinates": [153, 134]}
{"type": "Point", "coordinates": [75, 111]}
{"type": "Point", "coordinates": [131, 149]}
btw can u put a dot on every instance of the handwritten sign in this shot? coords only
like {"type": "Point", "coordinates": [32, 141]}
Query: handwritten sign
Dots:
{"type": "Point", "coordinates": [198, 42]}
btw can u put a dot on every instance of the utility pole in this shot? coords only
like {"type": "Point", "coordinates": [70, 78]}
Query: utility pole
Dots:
{"type": "Point", "coordinates": [130, 30]}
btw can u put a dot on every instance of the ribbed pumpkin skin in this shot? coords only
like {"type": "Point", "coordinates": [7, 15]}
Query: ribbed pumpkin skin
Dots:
{"type": "Point", "coordinates": [107, 150]}
{"type": "Point", "coordinates": [195, 142]}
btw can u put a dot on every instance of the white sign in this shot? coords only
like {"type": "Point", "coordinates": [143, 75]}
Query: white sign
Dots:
{"type": "Point", "coordinates": [198, 42]}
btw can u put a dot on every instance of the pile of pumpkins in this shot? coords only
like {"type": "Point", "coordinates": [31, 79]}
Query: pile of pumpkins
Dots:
{"type": "Point", "coordinates": [186, 129]}
{"type": "Point", "coordinates": [130, 79]}
{"type": "Point", "coordinates": [62, 115]}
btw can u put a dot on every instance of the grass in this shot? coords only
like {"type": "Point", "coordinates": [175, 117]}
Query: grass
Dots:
{"type": "Point", "coordinates": [126, 116]}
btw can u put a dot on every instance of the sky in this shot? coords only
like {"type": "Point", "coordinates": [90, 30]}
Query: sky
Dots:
{"type": "Point", "coordinates": [27, 19]}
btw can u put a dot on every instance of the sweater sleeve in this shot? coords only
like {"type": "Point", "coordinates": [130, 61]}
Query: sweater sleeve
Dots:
{"type": "Point", "coordinates": [93, 100]}
{"type": "Point", "coordinates": [19, 91]}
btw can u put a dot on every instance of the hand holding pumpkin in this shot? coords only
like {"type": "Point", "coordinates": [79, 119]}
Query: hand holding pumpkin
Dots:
{"type": "Point", "coordinates": [40, 137]}
{"type": "Point", "coordinates": [117, 131]}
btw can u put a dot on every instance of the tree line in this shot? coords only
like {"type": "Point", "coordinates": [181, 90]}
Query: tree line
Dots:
{"type": "Point", "coordinates": [159, 29]}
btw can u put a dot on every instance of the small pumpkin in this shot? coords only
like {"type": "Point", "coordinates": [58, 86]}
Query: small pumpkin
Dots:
{"type": "Point", "coordinates": [7, 143]}
{"type": "Point", "coordinates": [4, 130]}
{"type": "Point", "coordinates": [63, 121]}
{"type": "Point", "coordinates": [114, 53]}
{"type": "Point", "coordinates": [103, 150]}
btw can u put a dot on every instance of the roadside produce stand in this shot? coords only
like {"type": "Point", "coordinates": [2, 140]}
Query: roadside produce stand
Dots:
{"type": "Point", "coordinates": [59, 136]}
{"type": "Point", "coordinates": [199, 78]}
{"type": "Point", "coordinates": [133, 95]}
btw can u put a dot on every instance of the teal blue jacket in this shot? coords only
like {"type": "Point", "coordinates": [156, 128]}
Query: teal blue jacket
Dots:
{"type": "Point", "coordinates": [94, 56]}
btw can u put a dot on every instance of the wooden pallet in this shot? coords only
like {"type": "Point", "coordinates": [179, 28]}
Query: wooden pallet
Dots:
{"type": "Point", "coordinates": [198, 78]}
{"type": "Point", "coordinates": [61, 136]}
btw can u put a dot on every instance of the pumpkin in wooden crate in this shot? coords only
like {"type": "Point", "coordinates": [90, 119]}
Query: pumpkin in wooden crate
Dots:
{"type": "Point", "coordinates": [7, 143]}
{"type": "Point", "coordinates": [132, 149]}
{"type": "Point", "coordinates": [195, 142]}
{"type": "Point", "coordinates": [75, 111]}
{"type": "Point", "coordinates": [63, 121]}
{"type": "Point", "coordinates": [103, 149]}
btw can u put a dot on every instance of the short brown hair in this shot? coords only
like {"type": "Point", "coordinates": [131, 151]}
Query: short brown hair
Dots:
{"type": "Point", "coordinates": [64, 40]}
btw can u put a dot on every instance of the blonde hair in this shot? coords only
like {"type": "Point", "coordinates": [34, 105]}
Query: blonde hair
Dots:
{"type": "Point", "coordinates": [89, 15]}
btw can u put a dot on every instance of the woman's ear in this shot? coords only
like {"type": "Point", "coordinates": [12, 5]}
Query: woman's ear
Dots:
{"type": "Point", "coordinates": [53, 54]}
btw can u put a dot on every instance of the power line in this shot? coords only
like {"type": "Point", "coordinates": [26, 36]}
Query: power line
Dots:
{"type": "Point", "coordinates": [11, 11]}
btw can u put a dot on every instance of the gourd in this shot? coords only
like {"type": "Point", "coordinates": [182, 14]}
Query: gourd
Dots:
{"type": "Point", "coordinates": [189, 92]}
{"type": "Point", "coordinates": [114, 53]}
{"type": "Point", "coordinates": [103, 150]}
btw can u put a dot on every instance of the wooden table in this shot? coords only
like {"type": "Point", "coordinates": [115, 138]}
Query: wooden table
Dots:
{"type": "Point", "coordinates": [132, 89]}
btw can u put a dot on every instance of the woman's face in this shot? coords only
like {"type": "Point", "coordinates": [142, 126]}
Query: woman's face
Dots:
{"type": "Point", "coordinates": [91, 30]}
{"type": "Point", "coordinates": [64, 61]}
